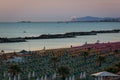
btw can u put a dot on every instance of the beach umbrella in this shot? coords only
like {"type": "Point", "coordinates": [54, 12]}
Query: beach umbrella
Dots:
{"type": "Point", "coordinates": [33, 74]}
{"type": "Point", "coordinates": [45, 77]}
{"type": "Point", "coordinates": [95, 78]}
{"type": "Point", "coordinates": [84, 74]}
{"type": "Point", "coordinates": [9, 78]}
{"type": "Point", "coordinates": [29, 75]}
{"type": "Point", "coordinates": [8, 74]}
{"type": "Point", "coordinates": [4, 74]}
{"type": "Point", "coordinates": [73, 77]}
{"type": "Point", "coordinates": [104, 74]}
{"type": "Point", "coordinates": [66, 78]}
{"type": "Point", "coordinates": [14, 77]}
{"type": "Point", "coordinates": [37, 78]}
{"type": "Point", "coordinates": [41, 78]}
{"type": "Point", "coordinates": [19, 77]}
{"type": "Point", "coordinates": [69, 77]}
{"type": "Point", "coordinates": [54, 76]}
{"type": "Point", "coordinates": [81, 75]}
{"type": "Point", "coordinates": [23, 52]}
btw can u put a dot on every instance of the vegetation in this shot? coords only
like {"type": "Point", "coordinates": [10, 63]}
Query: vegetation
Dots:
{"type": "Point", "coordinates": [42, 62]}
{"type": "Point", "coordinates": [85, 54]}
{"type": "Point", "coordinates": [64, 71]}
{"type": "Point", "coordinates": [116, 52]}
{"type": "Point", "coordinates": [114, 69]}
{"type": "Point", "coordinates": [14, 69]}
{"type": "Point", "coordinates": [100, 60]}
{"type": "Point", "coordinates": [54, 60]}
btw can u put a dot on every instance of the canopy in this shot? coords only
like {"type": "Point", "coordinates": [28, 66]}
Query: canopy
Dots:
{"type": "Point", "coordinates": [105, 73]}
{"type": "Point", "coordinates": [23, 52]}
{"type": "Point", "coordinates": [15, 59]}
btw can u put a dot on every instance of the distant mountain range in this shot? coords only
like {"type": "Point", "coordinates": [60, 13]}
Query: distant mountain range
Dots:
{"type": "Point", "coordinates": [95, 19]}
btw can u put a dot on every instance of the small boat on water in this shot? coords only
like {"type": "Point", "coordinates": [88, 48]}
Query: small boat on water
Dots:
{"type": "Point", "coordinates": [24, 31]}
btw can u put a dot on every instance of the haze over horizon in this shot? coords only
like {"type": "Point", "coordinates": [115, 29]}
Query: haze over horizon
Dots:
{"type": "Point", "coordinates": [56, 10]}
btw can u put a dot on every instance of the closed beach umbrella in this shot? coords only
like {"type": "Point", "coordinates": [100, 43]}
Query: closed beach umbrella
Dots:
{"type": "Point", "coordinates": [81, 75]}
{"type": "Point", "coordinates": [69, 77]}
{"type": "Point", "coordinates": [54, 76]}
{"type": "Point", "coordinates": [9, 78]}
{"type": "Point", "coordinates": [14, 77]}
{"type": "Point", "coordinates": [66, 78]}
{"type": "Point", "coordinates": [73, 77]}
{"type": "Point", "coordinates": [29, 75]}
{"type": "Point", "coordinates": [8, 74]}
{"type": "Point", "coordinates": [18, 76]}
{"type": "Point", "coordinates": [37, 78]}
{"type": "Point", "coordinates": [95, 78]}
{"type": "Point", "coordinates": [33, 74]}
{"type": "Point", "coordinates": [84, 74]}
{"type": "Point", "coordinates": [45, 78]}
{"type": "Point", "coordinates": [4, 74]}
{"type": "Point", "coordinates": [41, 78]}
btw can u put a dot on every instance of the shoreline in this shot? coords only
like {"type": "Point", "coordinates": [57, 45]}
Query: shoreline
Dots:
{"type": "Point", "coordinates": [84, 46]}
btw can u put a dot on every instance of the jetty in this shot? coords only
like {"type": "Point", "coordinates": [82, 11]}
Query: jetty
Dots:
{"type": "Point", "coordinates": [11, 40]}
{"type": "Point", "coordinates": [56, 36]}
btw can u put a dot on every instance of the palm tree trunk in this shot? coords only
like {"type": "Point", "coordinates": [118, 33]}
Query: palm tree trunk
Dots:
{"type": "Point", "coordinates": [100, 64]}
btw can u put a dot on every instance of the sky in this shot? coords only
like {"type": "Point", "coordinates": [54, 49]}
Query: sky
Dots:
{"type": "Point", "coordinates": [56, 10]}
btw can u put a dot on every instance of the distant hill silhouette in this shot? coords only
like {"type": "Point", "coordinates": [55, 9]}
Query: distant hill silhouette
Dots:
{"type": "Point", "coordinates": [99, 19]}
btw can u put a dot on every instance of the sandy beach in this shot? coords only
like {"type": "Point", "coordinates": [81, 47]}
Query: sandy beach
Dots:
{"type": "Point", "coordinates": [38, 62]}
{"type": "Point", "coordinates": [95, 47]}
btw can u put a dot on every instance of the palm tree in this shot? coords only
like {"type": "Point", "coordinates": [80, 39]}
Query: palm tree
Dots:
{"type": "Point", "coordinates": [54, 60]}
{"type": "Point", "coordinates": [85, 54]}
{"type": "Point", "coordinates": [100, 60]}
{"type": "Point", "coordinates": [114, 68]}
{"type": "Point", "coordinates": [89, 49]}
{"type": "Point", "coordinates": [116, 52]}
{"type": "Point", "coordinates": [14, 69]}
{"type": "Point", "coordinates": [64, 71]}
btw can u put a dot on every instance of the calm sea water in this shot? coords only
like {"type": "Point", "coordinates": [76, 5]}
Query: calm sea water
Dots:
{"type": "Point", "coordinates": [36, 29]}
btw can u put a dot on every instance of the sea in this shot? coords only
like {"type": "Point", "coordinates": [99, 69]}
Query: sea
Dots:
{"type": "Point", "coordinates": [17, 29]}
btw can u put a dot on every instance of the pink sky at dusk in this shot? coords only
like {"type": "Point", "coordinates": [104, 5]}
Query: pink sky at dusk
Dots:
{"type": "Point", "coordinates": [51, 10]}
